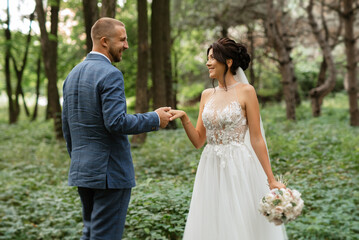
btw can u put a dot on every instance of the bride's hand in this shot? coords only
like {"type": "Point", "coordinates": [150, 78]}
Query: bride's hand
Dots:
{"type": "Point", "coordinates": [176, 114]}
{"type": "Point", "coordinates": [276, 184]}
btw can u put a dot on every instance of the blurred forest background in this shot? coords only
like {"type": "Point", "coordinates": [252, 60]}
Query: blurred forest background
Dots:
{"type": "Point", "coordinates": [304, 68]}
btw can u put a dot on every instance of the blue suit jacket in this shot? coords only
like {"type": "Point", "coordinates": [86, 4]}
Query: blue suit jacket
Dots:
{"type": "Point", "coordinates": [95, 125]}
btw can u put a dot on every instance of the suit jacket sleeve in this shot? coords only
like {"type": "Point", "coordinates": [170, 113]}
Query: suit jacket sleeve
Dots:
{"type": "Point", "coordinates": [66, 129]}
{"type": "Point", "coordinates": [114, 107]}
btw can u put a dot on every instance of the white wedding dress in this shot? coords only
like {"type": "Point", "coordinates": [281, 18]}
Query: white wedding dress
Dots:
{"type": "Point", "coordinates": [230, 180]}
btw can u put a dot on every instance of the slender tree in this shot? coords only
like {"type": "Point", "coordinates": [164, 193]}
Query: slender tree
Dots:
{"type": "Point", "coordinates": [276, 33]}
{"type": "Point", "coordinates": [19, 70]}
{"type": "Point", "coordinates": [167, 63]}
{"type": "Point", "coordinates": [157, 55]}
{"type": "Point", "coordinates": [250, 33]}
{"type": "Point", "coordinates": [142, 66]}
{"type": "Point", "coordinates": [38, 78]}
{"type": "Point", "coordinates": [91, 14]}
{"type": "Point", "coordinates": [317, 94]}
{"type": "Point", "coordinates": [12, 113]}
{"type": "Point", "coordinates": [49, 52]}
{"type": "Point", "coordinates": [348, 15]}
{"type": "Point", "coordinates": [331, 38]}
{"type": "Point", "coordinates": [347, 9]}
{"type": "Point", "coordinates": [14, 106]}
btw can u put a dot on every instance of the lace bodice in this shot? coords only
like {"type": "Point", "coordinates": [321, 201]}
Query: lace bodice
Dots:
{"type": "Point", "coordinates": [223, 117]}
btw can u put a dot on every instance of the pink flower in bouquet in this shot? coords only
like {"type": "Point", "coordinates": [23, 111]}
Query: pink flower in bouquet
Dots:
{"type": "Point", "coordinates": [281, 205]}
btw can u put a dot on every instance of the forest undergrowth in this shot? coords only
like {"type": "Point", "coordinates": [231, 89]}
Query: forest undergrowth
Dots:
{"type": "Point", "coordinates": [318, 156]}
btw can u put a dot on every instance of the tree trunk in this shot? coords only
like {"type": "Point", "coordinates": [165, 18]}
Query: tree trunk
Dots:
{"type": "Point", "coordinates": [38, 73]}
{"type": "Point", "coordinates": [91, 14]}
{"type": "Point", "coordinates": [322, 72]}
{"type": "Point", "coordinates": [175, 75]}
{"type": "Point", "coordinates": [20, 72]}
{"type": "Point", "coordinates": [317, 94]}
{"type": "Point", "coordinates": [286, 67]}
{"type": "Point", "coordinates": [108, 8]}
{"type": "Point", "coordinates": [142, 67]}
{"type": "Point", "coordinates": [17, 90]}
{"type": "Point", "coordinates": [157, 48]}
{"type": "Point", "coordinates": [24, 102]}
{"type": "Point", "coordinates": [167, 45]}
{"type": "Point", "coordinates": [350, 50]}
{"type": "Point", "coordinates": [49, 51]}
{"type": "Point", "coordinates": [12, 113]}
{"type": "Point", "coordinates": [252, 54]}
{"type": "Point", "coordinates": [289, 85]}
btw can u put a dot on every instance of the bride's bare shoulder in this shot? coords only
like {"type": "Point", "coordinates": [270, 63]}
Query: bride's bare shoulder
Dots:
{"type": "Point", "coordinates": [207, 92]}
{"type": "Point", "coordinates": [247, 94]}
{"type": "Point", "coordinates": [247, 89]}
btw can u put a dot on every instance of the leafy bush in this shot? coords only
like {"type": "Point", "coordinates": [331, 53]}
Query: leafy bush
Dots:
{"type": "Point", "coordinates": [36, 202]}
{"type": "Point", "coordinates": [158, 210]}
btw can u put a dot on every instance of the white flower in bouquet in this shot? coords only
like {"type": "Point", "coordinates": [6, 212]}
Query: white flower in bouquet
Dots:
{"type": "Point", "coordinates": [281, 205]}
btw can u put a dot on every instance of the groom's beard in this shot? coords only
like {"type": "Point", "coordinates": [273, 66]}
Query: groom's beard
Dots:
{"type": "Point", "coordinates": [116, 54]}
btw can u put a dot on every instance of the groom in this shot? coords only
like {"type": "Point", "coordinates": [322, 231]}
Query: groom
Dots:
{"type": "Point", "coordinates": [95, 127]}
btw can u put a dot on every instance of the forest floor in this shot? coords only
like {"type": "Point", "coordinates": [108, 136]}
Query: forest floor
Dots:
{"type": "Point", "coordinates": [318, 156]}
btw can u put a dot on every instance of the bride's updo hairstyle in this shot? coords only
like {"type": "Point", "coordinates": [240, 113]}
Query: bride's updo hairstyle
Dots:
{"type": "Point", "coordinates": [225, 49]}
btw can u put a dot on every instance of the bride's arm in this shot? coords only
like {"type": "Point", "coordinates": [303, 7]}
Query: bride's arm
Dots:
{"type": "Point", "coordinates": [256, 138]}
{"type": "Point", "coordinates": [197, 135]}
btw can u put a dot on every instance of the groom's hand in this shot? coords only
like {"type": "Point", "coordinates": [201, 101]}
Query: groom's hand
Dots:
{"type": "Point", "coordinates": [164, 115]}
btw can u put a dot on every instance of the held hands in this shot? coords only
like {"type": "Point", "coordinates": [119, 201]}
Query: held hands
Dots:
{"type": "Point", "coordinates": [167, 114]}
{"type": "Point", "coordinates": [164, 115]}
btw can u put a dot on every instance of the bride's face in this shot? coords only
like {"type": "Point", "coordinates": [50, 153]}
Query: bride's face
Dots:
{"type": "Point", "coordinates": [215, 68]}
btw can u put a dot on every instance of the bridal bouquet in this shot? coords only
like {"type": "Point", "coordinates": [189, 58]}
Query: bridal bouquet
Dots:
{"type": "Point", "coordinates": [281, 205]}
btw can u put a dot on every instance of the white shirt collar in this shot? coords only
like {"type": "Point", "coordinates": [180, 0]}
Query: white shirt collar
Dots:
{"type": "Point", "coordinates": [94, 52]}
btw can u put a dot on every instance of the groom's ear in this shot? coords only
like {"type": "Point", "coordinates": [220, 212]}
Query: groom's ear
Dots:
{"type": "Point", "coordinates": [104, 42]}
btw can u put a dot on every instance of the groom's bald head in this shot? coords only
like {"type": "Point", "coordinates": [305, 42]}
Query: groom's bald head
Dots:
{"type": "Point", "coordinates": [104, 27]}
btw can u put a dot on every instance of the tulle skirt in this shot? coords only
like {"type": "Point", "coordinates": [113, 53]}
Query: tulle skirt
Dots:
{"type": "Point", "coordinates": [229, 184]}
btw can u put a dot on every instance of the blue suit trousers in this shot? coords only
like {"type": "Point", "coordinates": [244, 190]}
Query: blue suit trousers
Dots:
{"type": "Point", "coordinates": [104, 212]}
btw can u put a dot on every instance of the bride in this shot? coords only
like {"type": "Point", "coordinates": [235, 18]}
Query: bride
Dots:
{"type": "Point", "coordinates": [234, 169]}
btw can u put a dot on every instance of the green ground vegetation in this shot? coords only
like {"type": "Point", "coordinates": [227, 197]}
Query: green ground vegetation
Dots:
{"type": "Point", "coordinates": [318, 156]}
